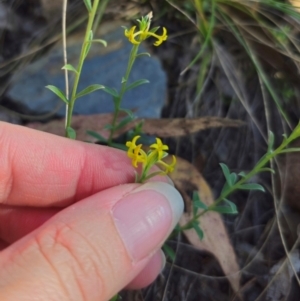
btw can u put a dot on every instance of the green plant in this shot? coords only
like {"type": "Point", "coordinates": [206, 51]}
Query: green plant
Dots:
{"type": "Point", "coordinates": [235, 182]}
{"type": "Point", "coordinates": [136, 37]}
{"type": "Point", "coordinates": [154, 156]}
{"type": "Point", "coordinates": [92, 9]}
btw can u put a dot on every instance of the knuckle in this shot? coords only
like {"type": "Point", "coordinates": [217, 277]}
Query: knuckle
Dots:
{"type": "Point", "coordinates": [72, 257]}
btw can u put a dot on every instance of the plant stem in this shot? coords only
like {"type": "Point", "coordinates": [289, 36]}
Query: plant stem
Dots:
{"type": "Point", "coordinates": [70, 106]}
{"type": "Point", "coordinates": [118, 100]}
{"type": "Point", "coordinates": [257, 168]}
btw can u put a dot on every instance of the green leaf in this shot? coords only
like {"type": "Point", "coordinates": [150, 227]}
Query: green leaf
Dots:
{"type": "Point", "coordinates": [233, 177]}
{"type": "Point", "coordinates": [71, 133]}
{"type": "Point", "coordinates": [113, 92]}
{"type": "Point", "coordinates": [89, 90]}
{"type": "Point", "coordinates": [128, 112]}
{"type": "Point", "coordinates": [225, 188]}
{"type": "Point", "coordinates": [224, 209]}
{"type": "Point", "coordinates": [142, 54]}
{"type": "Point", "coordinates": [169, 252]}
{"type": "Point", "coordinates": [251, 186]}
{"type": "Point", "coordinates": [271, 142]}
{"type": "Point", "coordinates": [58, 92]}
{"type": "Point", "coordinates": [124, 122]}
{"type": "Point", "coordinates": [115, 298]}
{"type": "Point", "coordinates": [123, 80]}
{"type": "Point", "coordinates": [226, 173]}
{"type": "Point", "coordinates": [136, 84]}
{"type": "Point", "coordinates": [88, 5]}
{"type": "Point", "coordinates": [89, 44]}
{"type": "Point", "coordinates": [96, 136]}
{"type": "Point", "coordinates": [232, 206]}
{"type": "Point", "coordinates": [119, 146]}
{"type": "Point", "coordinates": [267, 169]}
{"type": "Point", "coordinates": [69, 67]}
{"type": "Point", "coordinates": [154, 29]}
{"type": "Point", "coordinates": [197, 203]}
{"type": "Point", "coordinates": [108, 127]}
{"type": "Point", "coordinates": [242, 174]}
{"type": "Point", "coordinates": [103, 42]}
{"type": "Point", "coordinates": [198, 230]}
{"type": "Point", "coordinates": [290, 150]}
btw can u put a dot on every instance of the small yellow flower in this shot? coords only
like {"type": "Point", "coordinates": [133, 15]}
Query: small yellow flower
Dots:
{"type": "Point", "coordinates": [143, 35]}
{"type": "Point", "coordinates": [130, 35]}
{"type": "Point", "coordinates": [132, 144]}
{"type": "Point", "coordinates": [162, 38]}
{"type": "Point", "coordinates": [168, 167]}
{"type": "Point", "coordinates": [155, 154]}
{"type": "Point", "coordinates": [137, 155]}
{"type": "Point", "coordinates": [159, 147]}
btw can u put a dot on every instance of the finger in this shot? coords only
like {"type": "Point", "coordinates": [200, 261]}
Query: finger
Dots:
{"type": "Point", "coordinates": [40, 169]}
{"type": "Point", "coordinates": [149, 272]}
{"type": "Point", "coordinates": [16, 222]}
{"type": "Point", "coordinates": [92, 249]}
{"type": "Point", "coordinates": [3, 245]}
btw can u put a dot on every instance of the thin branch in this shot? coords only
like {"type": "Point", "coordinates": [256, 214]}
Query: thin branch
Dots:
{"type": "Point", "coordinates": [64, 40]}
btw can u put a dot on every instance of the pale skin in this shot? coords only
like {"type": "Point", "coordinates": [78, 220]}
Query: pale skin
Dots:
{"type": "Point", "coordinates": [58, 238]}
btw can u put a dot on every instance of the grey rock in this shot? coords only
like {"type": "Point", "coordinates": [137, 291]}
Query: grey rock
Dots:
{"type": "Point", "coordinates": [102, 66]}
{"type": "Point", "coordinates": [9, 117]}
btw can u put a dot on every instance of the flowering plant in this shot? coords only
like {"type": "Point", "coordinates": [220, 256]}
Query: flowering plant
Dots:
{"type": "Point", "coordinates": [154, 156]}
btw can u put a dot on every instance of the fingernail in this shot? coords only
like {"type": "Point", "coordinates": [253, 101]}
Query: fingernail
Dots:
{"type": "Point", "coordinates": [170, 181]}
{"type": "Point", "coordinates": [145, 217]}
{"type": "Point", "coordinates": [163, 261]}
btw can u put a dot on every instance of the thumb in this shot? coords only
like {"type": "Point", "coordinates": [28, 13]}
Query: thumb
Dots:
{"type": "Point", "coordinates": [93, 248]}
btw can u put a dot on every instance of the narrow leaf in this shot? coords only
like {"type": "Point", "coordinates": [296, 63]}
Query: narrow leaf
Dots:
{"type": "Point", "coordinates": [226, 173]}
{"type": "Point", "coordinates": [142, 54]}
{"type": "Point", "coordinates": [89, 44]}
{"type": "Point", "coordinates": [103, 42]}
{"type": "Point", "coordinates": [96, 136]}
{"type": "Point", "coordinates": [69, 67]}
{"type": "Point", "coordinates": [271, 142]}
{"type": "Point", "coordinates": [154, 29]}
{"type": "Point", "coordinates": [108, 127]}
{"type": "Point", "coordinates": [88, 5]}
{"type": "Point", "coordinates": [197, 202]}
{"type": "Point", "coordinates": [128, 112]}
{"type": "Point", "coordinates": [225, 188]}
{"type": "Point", "coordinates": [169, 252]}
{"type": "Point", "coordinates": [89, 90]}
{"type": "Point", "coordinates": [267, 169]}
{"type": "Point", "coordinates": [223, 209]}
{"type": "Point", "coordinates": [198, 230]}
{"type": "Point", "coordinates": [290, 150]}
{"type": "Point", "coordinates": [136, 84]}
{"type": "Point", "coordinates": [119, 146]}
{"type": "Point", "coordinates": [111, 91]}
{"type": "Point", "coordinates": [124, 122]}
{"type": "Point", "coordinates": [251, 186]}
{"type": "Point", "coordinates": [71, 133]}
{"type": "Point", "coordinates": [123, 81]}
{"type": "Point", "coordinates": [58, 92]}
{"type": "Point", "coordinates": [242, 174]}
{"type": "Point", "coordinates": [232, 206]}
{"type": "Point", "coordinates": [233, 177]}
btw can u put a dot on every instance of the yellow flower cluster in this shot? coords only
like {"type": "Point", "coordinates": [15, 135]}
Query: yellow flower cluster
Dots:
{"type": "Point", "coordinates": [154, 156]}
{"type": "Point", "coordinates": [143, 35]}
{"type": "Point", "coordinates": [144, 32]}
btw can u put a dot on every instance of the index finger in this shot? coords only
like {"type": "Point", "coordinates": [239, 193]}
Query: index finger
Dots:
{"type": "Point", "coordinates": [41, 169]}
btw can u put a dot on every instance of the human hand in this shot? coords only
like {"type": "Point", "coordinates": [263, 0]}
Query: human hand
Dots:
{"type": "Point", "coordinates": [72, 227]}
